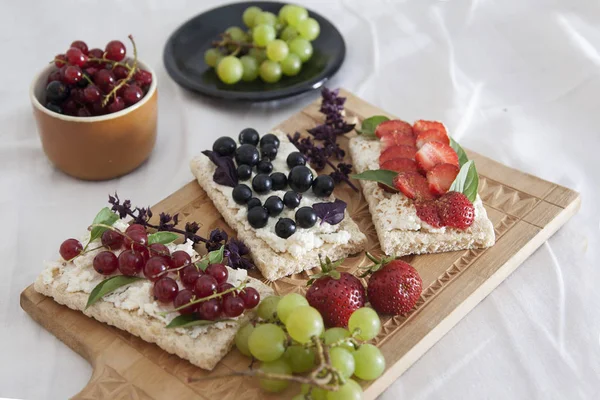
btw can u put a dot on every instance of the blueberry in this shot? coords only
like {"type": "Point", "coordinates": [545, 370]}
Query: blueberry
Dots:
{"type": "Point", "coordinates": [254, 202]}
{"type": "Point", "coordinates": [224, 146]}
{"type": "Point", "coordinates": [265, 167]}
{"type": "Point", "coordinates": [249, 136]}
{"type": "Point", "coordinates": [269, 138]}
{"type": "Point", "coordinates": [262, 183]}
{"type": "Point", "coordinates": [300, 178]}
{"type": "Point", "coordinates": [295, 158]}
{"type": "Point", "coordinates": [279, 180]}
{"type": "Point", "coordinates": [292, 199]}
{"type": "Point", "coordinates": [306, 217]}
{"type": "Point", "coordinates": [285, 227]}
{"type": "Point", "coordinates": [244, 172]}
{"type": "Point", "coordinates": [323, 186]}
{"type": "Point", "coordinates": [246, 154]}
{"type": "Point", "coordinates": [56, 92]}
{"type": "Point", "coordinates": [54, 107]}
{"type": "Point", "coordinates": [241, 194]}
{"type": "Point", "coordinates": [274, 206]}
{"type": "Point", "coordinates": [258, 217]}
{"type": "Point", "coordinates": [268, 151]}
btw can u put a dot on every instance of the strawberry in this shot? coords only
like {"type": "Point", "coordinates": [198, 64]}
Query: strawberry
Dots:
{"type": "Point", "coordinates": [397, 140]}
{"type": "Point", "coordinates": [422, 126]}
{"type": "Point", "coordinates": [440, 178]}
{"type": "Point", "coordinates": [336, 295]}
{"type": "Point", "coordinates": [455, 210]}
{"type": "Point", "coordinates": [427, 212]}
{"type": "Point", "coordinates": [400, 165]}
{"type": "Point", "coordinates": [413, 185]}
{"type": "Point", "coordinates": [394, 286]}
{"type": "Point", "coordinates": [434, 153]}
{"type": "Point", "coordinates": [393, 127]}
{"type": "Point", "coordinates": [401, 151]}
{"type": "Point", "coordinates": [432, 135]}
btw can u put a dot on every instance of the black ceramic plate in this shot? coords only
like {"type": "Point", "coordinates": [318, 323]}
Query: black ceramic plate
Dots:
{"type": "Point", "coordinates": [184, 56]}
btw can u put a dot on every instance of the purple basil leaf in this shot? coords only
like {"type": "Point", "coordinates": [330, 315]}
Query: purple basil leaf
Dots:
{"type": "Point", "coordinates": [226, 173]}
{"type": "Point", "coordinates": [332, 213]}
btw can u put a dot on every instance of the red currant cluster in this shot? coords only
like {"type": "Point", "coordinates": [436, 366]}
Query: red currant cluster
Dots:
{"type": "Point", "coordinates": [162, 267]}
{"type": "Point", "coordinates": [95, 82]}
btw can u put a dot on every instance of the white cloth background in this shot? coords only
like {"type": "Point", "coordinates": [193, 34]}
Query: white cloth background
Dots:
{"type": "Point", "coordinates": [515, 80]}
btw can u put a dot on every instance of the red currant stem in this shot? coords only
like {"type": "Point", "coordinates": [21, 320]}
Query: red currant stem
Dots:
{"type": "Point", "coordinates": [107, 61]}
{"type": "Point", "coordinates": [202, 300]}
{"type": "Point", "coordinates": [57, 59]}
{"type": "Point", "coordinates": [88, 79]}
{"type": "Point", "coordinates": [132, 70]}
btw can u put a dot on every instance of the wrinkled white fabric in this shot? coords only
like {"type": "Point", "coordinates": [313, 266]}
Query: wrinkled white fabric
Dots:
{"type": "Point", "coordinates": [515, 80]}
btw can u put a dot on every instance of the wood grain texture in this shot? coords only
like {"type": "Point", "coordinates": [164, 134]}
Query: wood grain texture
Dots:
{"type": "Point", "coordinates": [524, 209]}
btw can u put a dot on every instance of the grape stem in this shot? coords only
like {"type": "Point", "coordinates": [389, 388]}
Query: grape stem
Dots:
{"type": "Point", "coordinates": [203, 299]}
{"type": "Point", "coordinates": [227, 40]}
{"type": "Point", "coordinates": [123, 82]}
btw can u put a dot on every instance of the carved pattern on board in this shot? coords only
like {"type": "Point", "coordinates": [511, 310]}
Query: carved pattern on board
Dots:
{"type": "Point", "coordinates": [110, 385]}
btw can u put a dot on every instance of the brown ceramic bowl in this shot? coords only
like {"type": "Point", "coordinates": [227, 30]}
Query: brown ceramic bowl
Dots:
{"type": "Point", "coordinates": [96, 148]}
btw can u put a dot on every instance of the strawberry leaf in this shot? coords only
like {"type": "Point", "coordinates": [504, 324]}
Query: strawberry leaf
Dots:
{"type": "Point", "coordinates": [467, 181]}
{"type": "Point", "coordinates": [187, 321]}
{"type": "Point", "coordinates": [369, 125]}
{"type": "Point", "coordinates": [383, 176]}
{"type": "Point", "coordinates": [462, 156]}
{"type": "Point", "coordinates": [104, 217]}
{"type": "Point", "coordinates": [108, 286]}
{"type": "Point", "coordinates": [162, 237]}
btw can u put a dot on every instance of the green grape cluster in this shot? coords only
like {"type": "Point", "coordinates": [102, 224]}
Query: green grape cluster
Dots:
{"type": "Point", "coordinates": [272, 45]}
{"type": "Point", "coordinates": [283, 340]}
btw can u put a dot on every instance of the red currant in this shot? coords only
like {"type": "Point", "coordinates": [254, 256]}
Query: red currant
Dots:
{"type": "Point", "coordinates": [55, 76]}
{"type": "Point", "coordinates": [69, 107]}
{"type": "Point", "coordinates": [120, 72]}
{"type": "Point", "coordinates": [226, 286]}
{"type": "Point", "coordinates": [79, 44]}
{"type": "Point", "coordinates": [155, 267]}
{"type": "Point", "coordinates": [136, 237]}
{"type": "Point", "coordinates": [233, 306]}
{"type": "Point", "coordinates": [115, 50]}
{"type": "Point", "coordinates": [184, 297]}
{"type": "Point", "coordinates": [70, 249]}
{"type": "Point", "coordinates": [159, 249]}
{"type": "Point", "coordinates": [210, 309]}
{"type": "Point", "coordinates": [132, 94]}
{"type": "Point", "coordinates": [165, 290]}
{"type": "Point", "coordinates": [189, 275]}
{"type": "Point", "coordinates": [96, 53]}
{"type": "Point", "coordinates": [116, 105]}
{"type": "Point", "coordinates": [218, 271]}
{"type": "Point", "coordinates": [83, 112]}
{"type": "Point", "coordinates": [130, 262]}
{"type": "Point", "coordinates": [250, 296]}
{"type": "Point", "coordinates": [98, 109]}
{"type": "Point", "coordinates": [143, 77]}
{"type": "Point", "coordinates": [106, 263]}
{"type": "Point", "coordinates": [135, 227]}
{"type": "Point", "coordinates": [104, 79]}
{"type": "Point", "coordinates": [91, 94]}
{"type": "Point", "coordinates": [76, 57]}
{"type": "Point", "coordinates": [180, 258]}
{"type": "Point", "coordinates": [77, 95]}
{"type": "Point", "coordinates": [91, 71]}
{"type": "Point", "coordinates": [60, 60]}
{"type": "Point", "coordinates": [112, 240]}
{"type": "Point", "coordinates": [73, 74]}
{"type": "Point", "coordinates": [205, 286]}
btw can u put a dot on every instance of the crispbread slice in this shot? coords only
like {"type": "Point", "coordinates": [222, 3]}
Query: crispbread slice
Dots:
{"type": "Point", "coordinates": [204, 351]}
{"type": "Point", "coordinates": [274, 265]}
{"type": "Point", "coordinates": [395, 219]}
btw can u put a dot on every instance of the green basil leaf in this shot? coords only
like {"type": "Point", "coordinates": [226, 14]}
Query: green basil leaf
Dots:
{"type": "Point", "coordinates": [462, 156]}
{"type": "Point", "coordinates": [214, 257]}
{"type": "Point", "coordinates": [108, 286]}
{"type": "Point", "coordinates": [467, 181]}
{"type": "Point", "coordinates": [104, 217]}
{"type": "Point", "coordinates": [370, 124]}
{"type": "Point", "coordinates": [186, 321]}
{"type": "Point", "coordinates": [162, 237]}
{"type": "Point", "coordinates": [379, 175]}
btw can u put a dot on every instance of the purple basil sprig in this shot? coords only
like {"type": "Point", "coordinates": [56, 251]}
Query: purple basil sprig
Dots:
{"type": "Point", "coordinates": [226, 173]}
{"type": "Point", "coordinates": [332, 212]}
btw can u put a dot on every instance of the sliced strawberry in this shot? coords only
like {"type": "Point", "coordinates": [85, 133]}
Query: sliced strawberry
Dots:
{"type": "Point", "coordinates": [427, 211]}
{"type": "Point", "coordinates": [413, 185]}
{"type": "Point", "coordinates": [400, 165]}
{"type": "Point", "coordinates": [434, 153]}
{"type": "Point", "coordinates": [393, 127]}
{"type": "Point", "coordinates": [397, 140]}
{"type": "Point", "coordinates": [401, 151]}
{"type": "Point", "coordinates": [432, 135]}
{"type": "Point", "coordinates": [440, 178]}
{"type": "Point", "coordinates": [455, 210]}
{"type": "Point", "coordinates": [422, 126]}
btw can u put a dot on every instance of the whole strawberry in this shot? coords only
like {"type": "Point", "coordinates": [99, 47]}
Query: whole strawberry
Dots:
{"type": "Point", "coordinates": [455, 210]}
{"type": "Point", "coordinates": [336, 295]}
{"type": "Point", "coordinates": [394, 287]}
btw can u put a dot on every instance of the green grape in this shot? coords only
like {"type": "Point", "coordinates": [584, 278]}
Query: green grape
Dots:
{"type": "Point", "coordinates": [295, 15]}
{"type": "Point", "coordinates": [250, 68]}
{"type": "Point", "coordinates": [267, 342]}
{"type": "Point", "coordinates": [230, 70]}
{"type": "Point", "coordinates": [236, 33]}
{"type": "Point", "coordinates": [270, 71]}
{"type": "Point", "coordinates": [309, 29]}
{"type": "Point", "coordinates": [263, 34]}
{"type": "Point", "coordinates": [265, 18]}
{"type": "Point", "coordinates": [249, 14]}
{"type": "Point", "coordinates": [212, 57]}
{"type": "Point", "coordinates": [288, 33]}
{"type": "Point", "coordinates": [333, 335]}
{"type": "Point", "coordinates": [268, 307]}
{"type": "Point", "coordinates": [241, 339]}
{"type": "Point", "coordinates": [303, 323]}
{"type": "Point", "coordinates": [350, 391]}
{"type": "Point", "coordinates": [283, 12]}
{"type": "Point", "coordinates": [367, 320]}
{"type": "Point", "coordinates": [369, 362]}
{"type": "Point", "coordinates": [316, 393]}
{"type": "Point", "coordinates": [342, 360]}
{"type": "Point", "coordinates": [291, 65]}
{"type": "Point", "coordinates": [275, 367]}
{"type": "Point", "coordinates": [277, 50]}
{"type": "Point", "coordinates": [259, 54]}
{"type": "Point", "coordinates": [291, 300]}
{"type": "Point", "coordinates": [302, 48]}
{"type": "Point", "coordinates": [300, 359]}
{"type": "Point", "coordinates": [299, 397]}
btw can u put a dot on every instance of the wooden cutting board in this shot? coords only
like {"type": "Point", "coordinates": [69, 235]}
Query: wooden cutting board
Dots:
{"type": "Point", "coordinates": [525, 210]}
